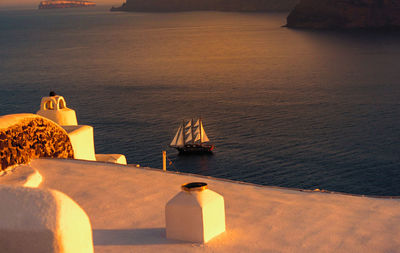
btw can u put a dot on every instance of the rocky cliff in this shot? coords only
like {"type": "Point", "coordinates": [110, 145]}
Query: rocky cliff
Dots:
{"type": "Point", "coordinates": [347, 14]}
{"type": "Point", "coordinates": [214, 5]}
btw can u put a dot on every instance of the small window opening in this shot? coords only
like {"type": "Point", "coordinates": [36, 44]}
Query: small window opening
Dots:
{"type": "Point", "coordinates": [49, 105]}
{"type": "Point", "coordinates": [62, 104]}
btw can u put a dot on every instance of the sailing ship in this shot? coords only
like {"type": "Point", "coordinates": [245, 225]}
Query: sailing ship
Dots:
{"type": "Point", "coordinates": [191, 138]}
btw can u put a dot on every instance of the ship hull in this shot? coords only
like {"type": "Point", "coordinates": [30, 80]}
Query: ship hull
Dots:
{"type": "Point", "coordinates": [195, 149]}
{"type": "Point", "coordinates": [57, 4]}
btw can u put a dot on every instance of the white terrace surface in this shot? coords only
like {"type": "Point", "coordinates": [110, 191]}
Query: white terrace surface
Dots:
{"type": "Point", "coordinates": [126, 208]}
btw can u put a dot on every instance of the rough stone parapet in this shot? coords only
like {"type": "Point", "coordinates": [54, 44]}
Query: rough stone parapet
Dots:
{"type": "Point", "coordinates": [27, 136]}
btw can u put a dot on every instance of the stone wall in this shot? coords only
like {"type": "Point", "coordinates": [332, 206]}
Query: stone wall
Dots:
{"type": "Point", "coordinates": [28, 137]}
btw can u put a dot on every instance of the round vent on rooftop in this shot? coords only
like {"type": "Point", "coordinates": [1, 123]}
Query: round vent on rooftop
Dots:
{"type": "Point", "coordinates": [194, 186]}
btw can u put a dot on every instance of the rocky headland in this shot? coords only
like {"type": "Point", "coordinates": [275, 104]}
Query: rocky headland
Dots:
{"type": "Point", "coordinates": [207, 5]}
{"type": "Point", "coordinates": [345, 14]}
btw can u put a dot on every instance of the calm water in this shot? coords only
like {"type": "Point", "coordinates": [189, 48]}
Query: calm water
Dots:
{"type": "Point", "coordinates": [287, 108]}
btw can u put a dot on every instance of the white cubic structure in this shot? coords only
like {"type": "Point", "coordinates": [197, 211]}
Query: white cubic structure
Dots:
{"type": "Point", "coordinates": [55, 108]}
{"type": "Point", "coordinates": [82, 141]}
{"type": "Point", "coordinates": [42, 220]}
{"type": "Point", "coordinates": [196, 214]}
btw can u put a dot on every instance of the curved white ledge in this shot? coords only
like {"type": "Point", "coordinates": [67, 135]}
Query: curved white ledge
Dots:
{"type": "Point", "coordinates": [23, 175]}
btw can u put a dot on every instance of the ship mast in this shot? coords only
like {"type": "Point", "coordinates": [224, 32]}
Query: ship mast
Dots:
{"type": "Point", "coordinates": [191, 125]}
{"type": "Point", "coordinates": [183, 132]}
{"type": "Point", "coordinates": [200, 125]}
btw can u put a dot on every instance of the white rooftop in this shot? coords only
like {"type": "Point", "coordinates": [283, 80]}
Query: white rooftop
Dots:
{"type": "Point", "coordinates": [126, 207]}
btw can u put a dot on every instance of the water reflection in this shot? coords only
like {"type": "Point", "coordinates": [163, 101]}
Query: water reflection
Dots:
{"type": "Point", "coordinates": [194, 163]}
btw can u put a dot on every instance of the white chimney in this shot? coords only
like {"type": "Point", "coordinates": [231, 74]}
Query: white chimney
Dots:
{"type": "Point", "coordinates": [196, 214]}
{"type": "Point", "coordinates": [55, 109]}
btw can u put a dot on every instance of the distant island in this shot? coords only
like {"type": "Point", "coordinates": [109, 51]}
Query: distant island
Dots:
{"type": "Point", "coordinates": [345, 14]}
{"type": "Point", "coordinates": [54, 4]}
{"type": "Point", "coordinates": [206, 5]}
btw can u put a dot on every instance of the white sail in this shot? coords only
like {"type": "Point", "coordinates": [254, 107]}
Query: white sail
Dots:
{"type": "Point", "coordinates": [173, 142]}
{"type": "Point", "coordinates": [204, 137]}
{"type": "Point", "coordinates": [178, 139]}
{"type": "Point", "coordinates": [188, 134]}
{"type": "Point", "coordinates": [197, 134]}
{"type": "Point", "coordinates": [196, 130]}
{"type": "Point", "coordinates": [181, 140]}
{"type": "Point", "coordinates": [188, 138]}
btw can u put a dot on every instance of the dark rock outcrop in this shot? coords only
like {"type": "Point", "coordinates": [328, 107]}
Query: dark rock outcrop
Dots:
{"type": "Point", "coordinates": [207, 5]}
{"type": "Point", "coordinates": [345, 14]}
{"type": "Point", "coordinates": [30, 138]}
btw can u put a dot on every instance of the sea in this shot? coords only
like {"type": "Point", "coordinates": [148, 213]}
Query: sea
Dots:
{"type": "Point", "coordinates": [290, 108]}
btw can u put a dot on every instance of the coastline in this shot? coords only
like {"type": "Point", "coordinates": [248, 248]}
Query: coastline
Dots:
{"type": "Point", "coordinates": [207, 5]}
{"type": "Point", "coordinates": [260, 185]}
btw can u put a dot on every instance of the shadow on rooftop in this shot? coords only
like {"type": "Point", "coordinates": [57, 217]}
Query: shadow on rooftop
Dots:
{"type": "Point", "coordinates": [140, 236]}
